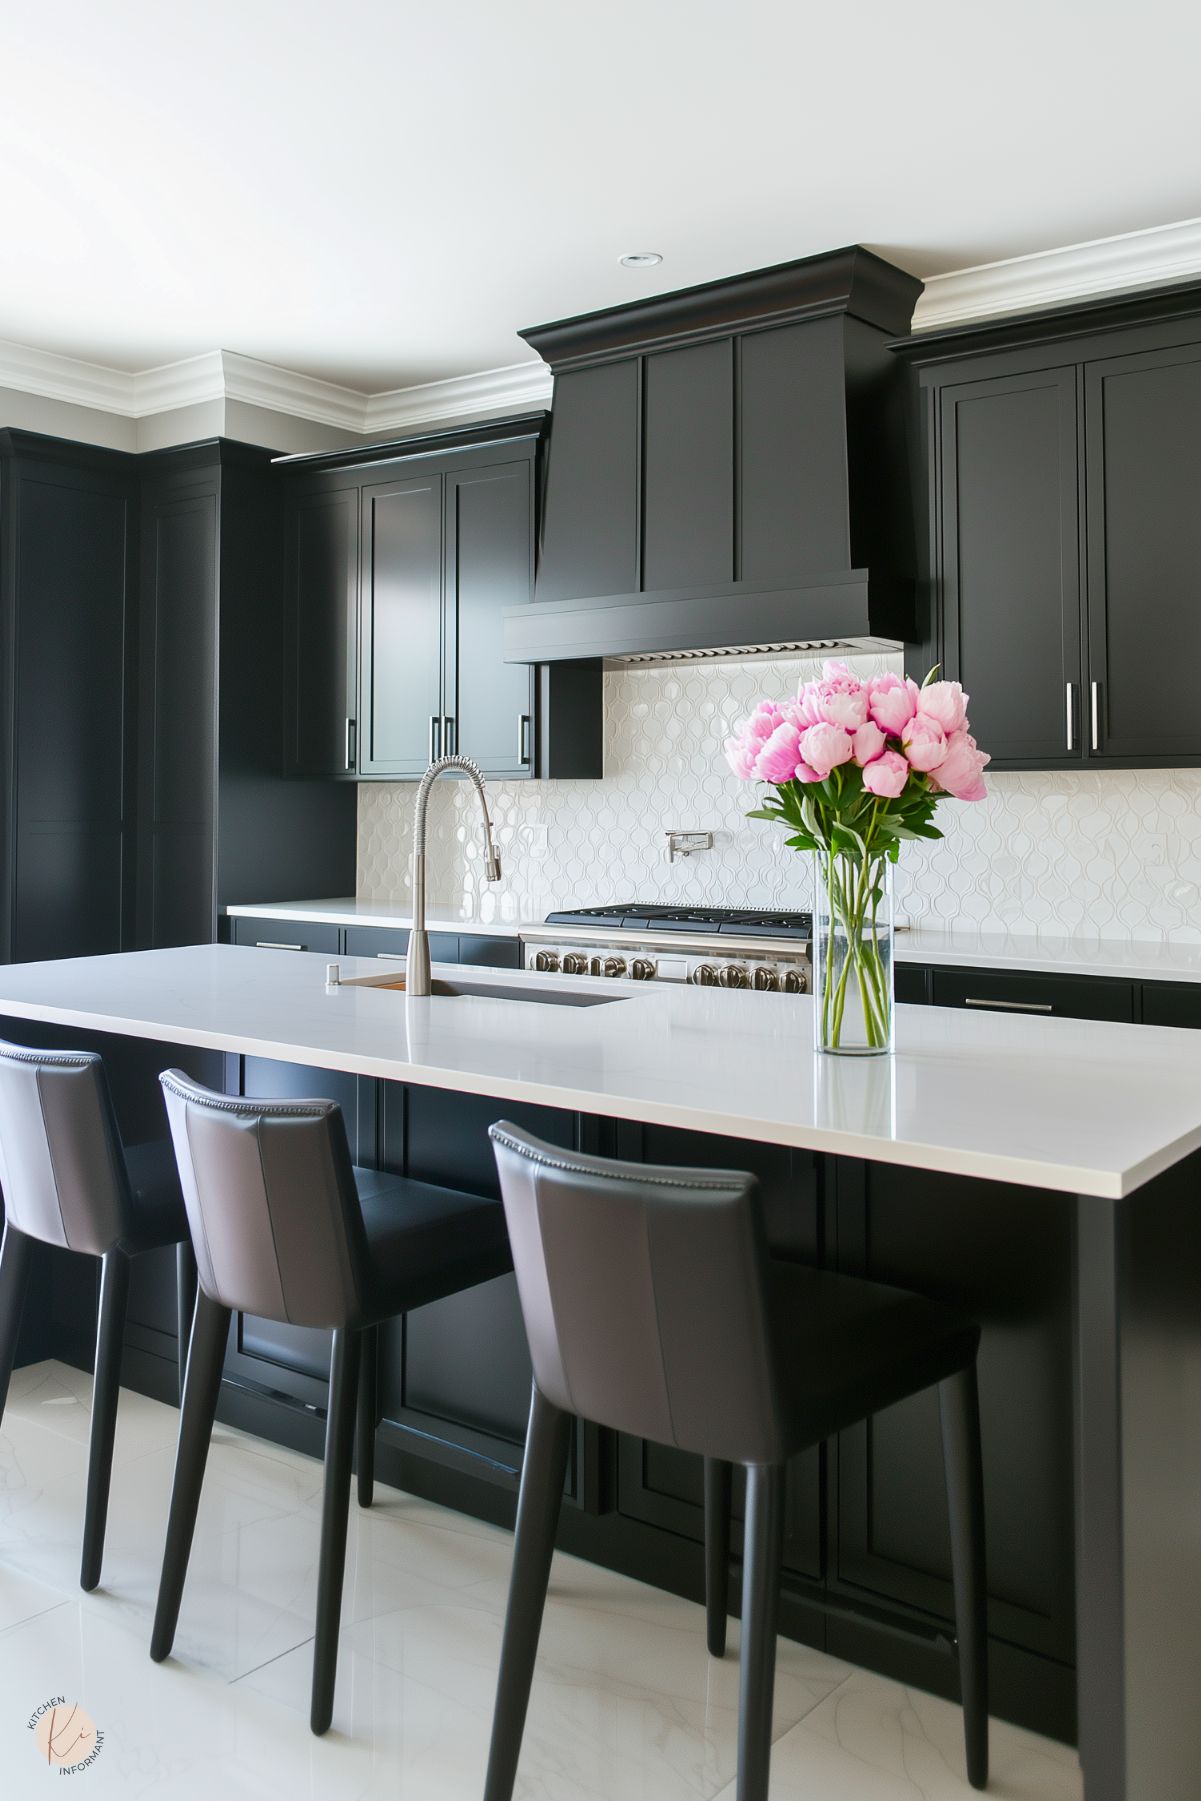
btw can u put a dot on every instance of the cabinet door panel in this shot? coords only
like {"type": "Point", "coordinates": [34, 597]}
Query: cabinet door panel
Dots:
{"type": "Point", "coordinates": [1007, 1260]}
{"type": "Point", "coordinates": [1009, 991]}
{"type": "Point", "coordinates": [1010, 561]}
{"type": "Point", "coordinates": [401, 670]}
{"type": "Point", "coordinates": [1143, 426]}
{"type": "Point", "coordinates": [590, 546]}
{"type": "Point", "coordinates": [1172, 1004]}
{"type": "Point", "coordinates": [489, 566]}
{"type": "Point", "coordinates": [286, 934]}
{"type": "Point", "coordinates": [688, 467]}
{"type": "Point", "coordinates": [321, 620]}
{"type": "Point", "coordinates": [390, 943]}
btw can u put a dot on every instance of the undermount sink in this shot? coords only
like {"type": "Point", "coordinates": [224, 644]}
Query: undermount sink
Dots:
{"type": "Point", "coordinates": [495, 991]}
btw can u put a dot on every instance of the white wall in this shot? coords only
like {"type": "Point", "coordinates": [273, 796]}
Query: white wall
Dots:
{"type": "Point", "coordinates": [1105, 854]}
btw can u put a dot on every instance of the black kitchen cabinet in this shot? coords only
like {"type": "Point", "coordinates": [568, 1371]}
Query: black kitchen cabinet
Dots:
{"type": "Point", "coordinates": [1016, 991]}
{"type": "Point", "coordinates": [1172, 1004]}
{"type": "Point", "coordinates": [1008, 1260]}
{"type": "Point", "coordinates": [591, 507]}
{"type": "Point", "coordinates": [321, 627]}
{"type": "Point", "coordinates": [266, 933]}
{"type": "Point", "coordinates": [1010, 561]}
{"type": "Point", "coordinates": [403, 707]}
{"type": "Point", "coordinates": [1142, 460]}
{"type": "Point", "coordinates": [1064, 536]}
{"type": "Point", "coordinates": [217, 820]}
{"type": "Point", "coordinates": [389, 944]}
{"type": "Point", "coordinates": [401, 562]}
{"type": "Point", "coordinates": [68, 554]}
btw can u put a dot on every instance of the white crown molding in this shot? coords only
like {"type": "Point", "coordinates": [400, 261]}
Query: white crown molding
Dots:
{"type": "Point", "coordinates": [509, 390]}
{"type": "Point", "coordinates": [1137, 259]}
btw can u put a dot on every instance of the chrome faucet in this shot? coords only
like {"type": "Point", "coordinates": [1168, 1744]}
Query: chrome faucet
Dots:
{"type": "Point", "coordinates": [417, 962]}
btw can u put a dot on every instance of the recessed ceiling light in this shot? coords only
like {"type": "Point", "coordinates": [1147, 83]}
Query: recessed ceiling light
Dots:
{"type": "Point", "coordinates": [640, 259]}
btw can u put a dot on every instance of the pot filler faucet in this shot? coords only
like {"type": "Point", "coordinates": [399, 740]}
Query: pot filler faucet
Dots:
{"type": "Point", "coordinates": [417, 963]}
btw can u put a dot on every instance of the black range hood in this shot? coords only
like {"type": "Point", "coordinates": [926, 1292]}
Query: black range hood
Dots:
{"type": "Point", "coordinates": [726, 471]}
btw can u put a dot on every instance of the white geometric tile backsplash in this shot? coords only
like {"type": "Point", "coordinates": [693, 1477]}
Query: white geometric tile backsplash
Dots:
{"type": "Point", "coordinates": [1090, 855]}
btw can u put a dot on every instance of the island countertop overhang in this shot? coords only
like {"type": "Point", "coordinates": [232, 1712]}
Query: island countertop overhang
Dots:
{"type": "Point", "coordinates": [1075, 1106]}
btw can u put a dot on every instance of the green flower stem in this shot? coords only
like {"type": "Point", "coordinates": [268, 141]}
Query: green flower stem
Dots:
{"type": "Point", "coordinates": [853, 885]}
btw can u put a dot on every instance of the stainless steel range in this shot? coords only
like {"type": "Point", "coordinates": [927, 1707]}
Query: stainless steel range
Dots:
{"type": "Point", "coordinates": [713, 947]}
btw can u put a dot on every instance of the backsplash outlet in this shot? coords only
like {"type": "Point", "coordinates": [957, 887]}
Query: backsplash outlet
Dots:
{"type": "Point", "coordinates": [1097, 854]}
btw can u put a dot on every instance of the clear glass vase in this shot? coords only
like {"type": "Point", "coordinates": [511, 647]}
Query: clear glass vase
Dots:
{"type": "Point", "coordinates": [852, 954]}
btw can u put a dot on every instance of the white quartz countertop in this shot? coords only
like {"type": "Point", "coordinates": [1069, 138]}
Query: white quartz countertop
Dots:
{"type": "Point", "coordinates": [1080, 1106]}
{"type": "Point", "coordinates": [1121, 958]}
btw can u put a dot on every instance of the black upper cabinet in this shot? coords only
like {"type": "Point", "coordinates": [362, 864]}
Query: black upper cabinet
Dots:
{"type": "Point", "coordinates": [68, 525]}
{"type": "Point", "coordinates": [400, 564]}
{"type": "Point", "coordinates": [1010, 561]}
{"type": "Point", "coordinates": [1143, 459]}
{"type": "Point", "coordinates": [400, 674]}
{"type": "Point", "coordinates": [1065, 534]}
{"type": "Point", "coordinates": [591, 504]}
{"type": "Point", "coordinates": [217, 821]}
{"type": "Point", "coordinates": [321, 658]}
{"type": "Point", "coordinates": [489, 566]}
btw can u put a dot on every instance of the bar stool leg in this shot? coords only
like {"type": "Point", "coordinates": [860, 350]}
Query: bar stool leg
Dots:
{"type": "Point", "coordinates": [542, 1476]}
{"type": "Point", "coordinates": [206, 1355]}
{"type": "Point", "coordinates": [718, 1487]}
{"type": "Point", "coordinates": [368, 1417]}
{"type": "Point", "coordinates": [335, 1506]}
{"type": "Point", "coordinates": [959, 1408]}
{"type": "Point", "coordinates": [185, 1302]}
{"type": "Point", "coordinates": [16, 1265]}
{"type": "Point", "coordinates": [760, 1613]}
{"type": "Point", "coordinates": [106, 1388]}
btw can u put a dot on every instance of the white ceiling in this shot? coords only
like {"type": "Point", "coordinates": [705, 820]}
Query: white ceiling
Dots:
{"type": "Point", "coordinates": [379, 192]}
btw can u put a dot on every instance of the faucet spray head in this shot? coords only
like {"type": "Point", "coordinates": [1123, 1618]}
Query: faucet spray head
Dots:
{"type": "Point", "coordinates": [492, 862]}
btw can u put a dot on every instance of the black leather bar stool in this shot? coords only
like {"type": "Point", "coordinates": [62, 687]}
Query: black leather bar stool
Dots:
{"type": "Point", "coordinates": [653, 1307]}
{"type": "Point", "coordinates": [282, 1231]}
{"type": "Point", "coordinates": [68, 1181]}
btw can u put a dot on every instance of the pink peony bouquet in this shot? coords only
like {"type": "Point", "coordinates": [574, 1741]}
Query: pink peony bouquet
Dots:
{"type": "Point", "coordinates": [859, 766]}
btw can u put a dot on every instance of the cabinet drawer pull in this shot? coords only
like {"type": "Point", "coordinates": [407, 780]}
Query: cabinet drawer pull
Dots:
{"type": "Point", "coordinates": [391, 956]}
{"type": "Point", "coordinates": [1095, 714]}
{"type": "Point", "coordinates": [435, 737]}
{"type": "Point", "coordinates": [271, 944]}
{"type": "Point", "coordinates": [349, 745]}
{"type": "Point", "coordinates": [450, 737]}
{"type": "Point", "coordinates": [523, 738]}
{"type": "Point", "coordinates": [1071, 715]}
{"type": "Point", "coordinates": [1013, 1006]}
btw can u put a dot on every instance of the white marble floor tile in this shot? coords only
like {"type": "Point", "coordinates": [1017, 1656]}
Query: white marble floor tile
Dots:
{"type": "Point", "coordinates": [874, 1740]}
{"type": "Point", "coordinates": [59, 1399]}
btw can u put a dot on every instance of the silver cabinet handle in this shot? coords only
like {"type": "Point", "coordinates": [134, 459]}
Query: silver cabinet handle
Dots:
{"type": "Point", "coordinates": [391, 956]}
{"type": "Point", "coordinates": [1069, 704]}
{"type": "Point", "coordinates": [349, 745]}
{"type": "Point", "coordinates": [1095, 712]}
{"type": "Point", "coordinates": [435, 737]}
{"type": "Point", "coordinates": [268, 944]}
{"type": "Point", "coordinates": [523, 738]}
{"type": "Point", "coordinates": [1013, 1006]}
{"type": "Point", "coordinates": [450, 737]}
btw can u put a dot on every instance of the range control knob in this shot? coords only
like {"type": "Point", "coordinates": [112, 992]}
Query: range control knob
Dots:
{"type": "Point", "coordinates": [642, 969]}
{"type": "Point", "coordinates": [575, 963]}
{"type": "Point", "coordinates": [795, 982]}
{"type": "Point", "coordinates": [733, 975]}
{"type": "Point", "coordinates": [704, 975]}
{"type": "Point", "coordinates": [613, 966]}
{"type": "Point", "coordinates": [546, 961]}
{"type": "Point", "coordinates": [766, 980]}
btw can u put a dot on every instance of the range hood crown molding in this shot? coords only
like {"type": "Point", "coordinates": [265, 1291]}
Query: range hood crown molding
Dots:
{"type": "Point", "coordinates": [850, 281]}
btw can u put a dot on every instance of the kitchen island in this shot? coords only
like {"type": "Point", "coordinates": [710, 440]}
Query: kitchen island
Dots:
{"type": "Point", "coordinates": [1042, 1171]}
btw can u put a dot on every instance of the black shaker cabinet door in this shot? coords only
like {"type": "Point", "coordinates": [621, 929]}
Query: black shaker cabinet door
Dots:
{"type": "Point", "coordinates": [321, 625]}
{"type": "Point", "coordinates": [400, 675]}
{"type": "Point", "coordinates": [688, 467]}
{"type": "Point", "coordinates": [1011, 562]}
{"type": "Point", "coordinates": [1143, 436]}
{"type": "Point", "coordinates": [489, 566]}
